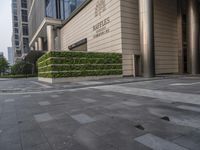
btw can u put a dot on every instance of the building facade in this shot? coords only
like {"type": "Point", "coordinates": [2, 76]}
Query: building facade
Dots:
{"type": "Point", "coordinates": [20, 37]}
{"type": "Point", "coordinates": [1, 55]}
{"type": "Point", "coordinates": [15, 35]}
{"type": "Point", "coordinates": [10, 56]}
{"type": "Point", "coordinates": [154, 36]}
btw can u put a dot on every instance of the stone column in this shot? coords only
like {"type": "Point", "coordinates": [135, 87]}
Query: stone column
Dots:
{"type": "Point", "coordinates": [58, 40]}
{"type": "Point", "coordinates": [50, 38]}
{"type": "Point", "coordinates": [180, 37]}
{"type": "Point", "coordinates": [146, 12]}
{"type": "Point", "coordinates": [40, 44]}
{"type": "Point", "coordinates": [193, 35]}
{"type": "Point", "coordinates": [36, 45]}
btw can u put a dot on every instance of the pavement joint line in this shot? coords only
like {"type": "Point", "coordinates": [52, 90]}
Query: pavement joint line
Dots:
{"type": "Point", "coordinates": [41, 84]}
{"type": "Point", "coordinates": [9, 100]}
{"type": "Point", "coordinates": [54, 96]}
{"type": "Point", "coordinates": [189, 108]}
{"type": "Point", "coordinates": [84, 87]}
{"type": "Point", "coordinates": [184, 84]}
{"type": "Point", "coordinates": [87, 86]}
{"type": "Point", "coordinates": [27, 96]}
{"type": "Point", "coordinates": [163, 95]}
{"type": "Point", "coordinates": [88, 100]}
{"type": "Point", "coordinates": [44, 103]}
{"type": "Point", "coordinates": [108, 95]}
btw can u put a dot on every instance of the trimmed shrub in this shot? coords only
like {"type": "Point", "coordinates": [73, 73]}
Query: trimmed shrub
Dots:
{"type": "Point", "coordinates": [18, 76]}
{"type": "Point", "coordinates": [79, 64]}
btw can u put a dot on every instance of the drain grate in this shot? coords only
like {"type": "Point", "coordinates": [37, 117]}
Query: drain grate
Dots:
{"type": "Point", "coordinates": [140, 127]}
{"type": "Point", "coordinates": [166, 118]}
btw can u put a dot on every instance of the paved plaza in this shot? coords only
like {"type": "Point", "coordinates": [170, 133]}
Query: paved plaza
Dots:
{"type": "Point", "coordinates": [114, 114]}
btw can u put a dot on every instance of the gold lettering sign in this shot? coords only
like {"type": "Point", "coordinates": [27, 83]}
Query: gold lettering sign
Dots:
{"type": "Point", "coordinates": [100, 7]}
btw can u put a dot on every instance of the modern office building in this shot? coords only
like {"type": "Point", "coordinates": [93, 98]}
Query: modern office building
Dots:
{"type": "Point", "coordinates": [154, 36]}
{"type": "Point", "coordinates": [1, 54]}
{"type": "Point", "coordinates": [15, 36]}
{"type": "Point", "coordinates": [20, 28]}
{"type": "Point", "coordinates": [10, 56]}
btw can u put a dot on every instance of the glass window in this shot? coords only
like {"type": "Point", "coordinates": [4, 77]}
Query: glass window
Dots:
{"type": "Point", "coordinates": [16, 43]}
{"type": "Point", "coordinates": [24, 16]}
{"type": "Point", "coordinates": [15, 18]}
{"type": "Point", "coordinates": [61, 9]}
{"type": "Point", "coordinates": [14, 5]}
{"type": "Point", "coordinates": [18, 52]}
{"type": "Point", "coordinates": [15, 24]}
{"type": "Point", "coordinates": [24, 3]}
{"type": "Point", "coordinates": [15, 12]}
{"type": "Point", "coordinates": [16, 30]}
{"type": "Point", "coordinates": [26, 44]}
{"type": "Point", "coordinates": [25, 29]}
{"type": "Point", "coordinates": [51, 8]}
{"type": "Point", "coordinates": [16, 37]}
{"type": "Point", "coordinates": [70, 6]}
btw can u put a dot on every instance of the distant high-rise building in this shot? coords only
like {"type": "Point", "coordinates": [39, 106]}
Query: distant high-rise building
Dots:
{"type": "Point", "coordinates": [1, 54]}
{"type": "Point", "coordinates": [10, 55]}
{"type": "Point", "coordinates": [20, 38]}
{"type": "Point", "coordinates": [15, 36]}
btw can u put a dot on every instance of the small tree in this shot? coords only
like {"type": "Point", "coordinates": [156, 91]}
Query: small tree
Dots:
{"type": "Point", "coordinates": [32, 58]}
{"type": "Point", "coordinates": [3, 65]}
{"type": "Point", "coordinates": [21, 68]}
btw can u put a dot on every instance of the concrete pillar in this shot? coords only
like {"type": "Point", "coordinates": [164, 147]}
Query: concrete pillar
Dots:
{"type": "Point", "coordinates": [180, 36]}
{"type": "Point", "coordinates": [36, 45]}
{"type": "Point", "coordinates": [50, 38]}
{"type": "Point", "coordinates": [58, 40]}
{"type": "Point", "coordinates": [193, 35]}
{"type": "Point", "coordinates": [146, 12]}
{"type": "Point", "coordinates": [40, 44]}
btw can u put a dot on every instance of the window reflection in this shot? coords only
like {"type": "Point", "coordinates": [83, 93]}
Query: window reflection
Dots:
{"type": "Point", "coordinates": [61, 9]}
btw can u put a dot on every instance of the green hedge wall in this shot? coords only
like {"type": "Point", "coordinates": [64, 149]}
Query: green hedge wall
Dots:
{"type": "Point", "coordinates": [79, 64]}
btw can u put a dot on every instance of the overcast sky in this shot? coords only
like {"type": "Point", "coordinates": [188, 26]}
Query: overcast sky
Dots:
{"type": "Point", "coordinates": [5, 25]}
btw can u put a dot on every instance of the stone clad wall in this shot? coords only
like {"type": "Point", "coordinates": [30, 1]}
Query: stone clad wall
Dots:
{"type": "Point", "coordinates": [130, 34]}
{"type": "Point", "coordinates": [116, 29]}
{"type": "Point", "coordinates": [166, 36]}
{"type": "Point", "coordinates": [101, 28]}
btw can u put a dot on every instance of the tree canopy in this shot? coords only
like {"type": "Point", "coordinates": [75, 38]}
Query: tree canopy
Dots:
{"type": "Point", "coordinates": [3, 65]}
{"type": "Point", "coordinates": [28, 65]}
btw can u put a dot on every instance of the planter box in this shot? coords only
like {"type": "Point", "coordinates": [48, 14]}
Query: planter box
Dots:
{"type": "Point", "coordinates": [54, 67]}
{"type": "Point", "coordinates": [75, 79]}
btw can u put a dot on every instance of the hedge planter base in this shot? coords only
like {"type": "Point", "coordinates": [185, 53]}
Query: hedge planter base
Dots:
{"type": "Point", "coordinates": [76, 79]}
{"type": "Point", "coordinates": [63, 66]}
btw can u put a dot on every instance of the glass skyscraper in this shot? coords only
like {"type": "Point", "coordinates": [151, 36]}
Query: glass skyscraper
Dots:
{"type": "Point", "coordinates": [61, 9]}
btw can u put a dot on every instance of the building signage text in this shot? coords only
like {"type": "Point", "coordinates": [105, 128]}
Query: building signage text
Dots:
{"type": "Point", "coordinates": [101, 28]}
